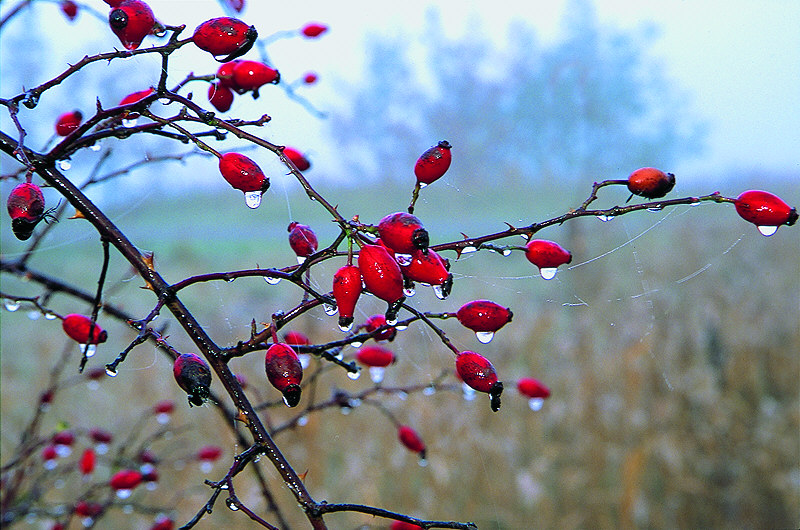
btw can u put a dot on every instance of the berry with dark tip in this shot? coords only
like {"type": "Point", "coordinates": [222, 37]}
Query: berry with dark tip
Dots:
{"type": "Point", "coordinates": [194, 376]}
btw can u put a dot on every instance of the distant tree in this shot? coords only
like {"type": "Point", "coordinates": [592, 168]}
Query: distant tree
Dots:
{"type": "Point", "coordinates": [594, 102]}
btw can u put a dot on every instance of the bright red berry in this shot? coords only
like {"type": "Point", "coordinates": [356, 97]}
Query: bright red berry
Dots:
{"type": "Point", "coordinates": [765, 210]}
{"type": "Point", "coordinates": [163, 522]}
{"type": "Point", "coordinates": [26, 208]}
{"type": "Point", "coordinates": [411, 440]}
{"type": "Point", "coordinates": [433, 163]}
{"type": "Point", "coordinates": [297, 158]}
{"type": "Point", "coordinates": [242, 173]}
{"type": "Point", "coordinates": [302, 239]}
{"type": "Point", "coordinates": [310, 78]}
{"type": "Point", "coordinates": [483, 316]}
{"type": "Point", "coordinates": [252, 75]}
{"type": "Point", "coordinates": [124, 481]}
{"type": "Point", "coordinates": [284, 372]}
{"type": "Point", "coordinates": [650, 183]}
{"type": "Point", "coordinates": [346, 290]}
{"type": "Point", "coordinates": [220, 96]}
{"type": "Point", "coordinates": [547, 255]}
{"type": "Point", "coordinates": [429, 268]}
{"type": "Point", "coordinates": [296, 338]}
{"type": "Point", "coordinates": [131, 22]}
{"type": "Point", "coordinates": [68, 122]}
{"type": "Point", "coordinates": [381, 273]}
{"type": "Point", "coordinates": [77, 328]}
{"type": "Point", "coordinates": [403, 233]}
{"type": "Point", "coordinates": [49, 456]}
{"type": "Point", "coordinates": [314, 29]}
{"type": "Point", "coordinates": [194, 376]}
{"type": "Point", "coordinates": [225, 74]}
{"type": "Point", "coordinates": [477, 372]}
{"type": "Point", "coordinates": [378, 321]}
{"type": "Point", "coordinates": [225, 38]}
{"type": "Point", "coordinates": [134, 98]}
{"type": "Point", "coordinates": [87, 462]}
{"type": "Point", "coordinates": [403, 525]}
{"type": "Point", "coordinates": [532, 388]}
{"type": "Point", "coordinates": [70, 9]}
{"type": "Point", "coordinates": [209, 453]}
{"type": "Point", "coordinates": [374, 356]}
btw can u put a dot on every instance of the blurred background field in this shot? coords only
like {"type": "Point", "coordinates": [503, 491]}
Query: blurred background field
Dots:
{"type": "Point", "coordinates": [673, 362]}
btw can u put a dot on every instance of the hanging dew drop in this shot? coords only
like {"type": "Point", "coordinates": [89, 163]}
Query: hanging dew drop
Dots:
{"type": "Point", "coordinates": [111, 372]}
{"type": "Point", "coordinates": [162, 418]}
{"type": "Point", "coordinates": [548, 273]}
{"type": "Point", "coordinates": [124, 494]}
{"type": "Point", "coordinates": [401, 327]}
{"type": "Point", "coordinates": [34, 315]}
{"type": "Point", "coordinates": [302, 421]}
{"type": "Point", "coordinates": [151, 486]}
{"type": "Point", "coordinates": [330, 309]}
{"type": "Point", "coordinates": [423, 462]}
{"type": "Point", "coordinates": [64, 165]}
{"type": "Point", "coordinates": [338, 354]}
{"type": "Point", "coordinates": [506, 252]}
{"type": "Point", "coordinates": [345, 328]}
{"type": "Point", "coordinates": [767, 230]}
{"type": "Point", "coordinates": [49, 316]}
{"type": "Point", "coordinates": [605, 218]}
{"type": "Point", "coordinates": [92, 385]}
{"type": "Point", "coordinates": [95, 147]}
{"type": "Point", "coordinates": [391, 321]}
{"type": "Point", "coordinates": [355, 403]}
{"type": "Point", "coordinates": [423, 185]}
{"type": "Point", "coordinates": [404, 260]}
{"type": "Point", "coordinates": [252, 199]}
{"type": "Point", "coordinates": [468, 250]}
{"type": "Point", "coordinates": [429, 390]}
{"type": "Point", "coordinates": [438, 290]}
{"type": "Point", "coordinates": [89, 349]}
{"type": "Point", "coordinates": [354, 375]}
{"type": "Point", "coordinates": [654, 209]}
{"type": "Point", "coordinates": [376, 373]}
{"type": "Point", "coordinates": [11, 305]}
{"type": "Point", "coordinates": [231, 504]}
{"type": "Point", "coordinates": [535, 403]}
{"type": "Point", "coordinates": [206, 467]}
{"type": "Point", "coordinates": [402, 396]}
{"type": "Point", "coordinates": [305, 360]}
{"type": "Point", "coordinates": [408, 292]}
{"type": "Point", "coordinates": [301, 260]}
{"type": "Point", "coordinates": [468, 392]}
{"type": "Point", "coordinates": [271, 280]}
{"type": "Point", "coordinates": [484, 337]}
{"type": "Point", "coordinates": [355, 345]}
{"type": "Point", "coordinates": [130, 122]}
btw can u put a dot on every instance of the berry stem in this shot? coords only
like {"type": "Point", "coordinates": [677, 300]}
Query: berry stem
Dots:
{"type": "Point", "coordinates": [414, 197]}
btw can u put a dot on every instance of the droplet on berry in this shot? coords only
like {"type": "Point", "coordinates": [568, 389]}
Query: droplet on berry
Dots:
{"type": "Point", "coordinates": [765, 210]}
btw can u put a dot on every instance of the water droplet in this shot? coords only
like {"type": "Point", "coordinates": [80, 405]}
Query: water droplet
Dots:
{"type": "Point", "coordinates": [223, 487]}
{"type": "Point", "coordinates": [11, 305]}
{"type": "Point", "coordinates": [63, 450]}
{"type": "Point", "coordinates": [391, 321]}
{"type": "Point", "coordinates": [345, 328]}
{"type": "Point", "coordinates": [124, 494]}
{"type": "Point", "coordinates": [111, 372]}
{"type": "Point", "coordinates": [271, 280]}
{"type": "Point", "coordinates": [65, 165]}
{"type": "Point", "coordinates": [152, 485]}
{"type": "Point", "coordinates": [230, 280]}
{"type": "Point", "coordinates": [101, 448]}
{"type": "Point", "coordinates": [409, 292]}
{"type": "Point", "coordinates": [49, 316]}
{"type": "Point", "coordinates": [87, 521]}
{"type": "Point", "coordinates": [401, 327]}
{"type": "Point", "coordinates": [535, 403]}
{"type": "Point", "coordinates": [34, 314]}
{"type": "Point", "coordinates": [301, 260]}
{"type": "Point", "coordinates": [468, 392]}
{"type": "Point", "coordinates": [429, 390]}
{"type": "Point", "coordinates": [330, 309]}
{"type": "Point", "coordinates": [484, 337]}
{"type": "Point", "coordinates": [467, 250]}
{"type": "Point", "coordinates": [89, 349]}
{"type": "Point", "coordinates": [655, 209]}
{"type": "Point", "coordinates": [252, 199]}
{"type": "Point", "coordinates": [305, 360]}
{"type": "Point", "coordinates": [548, 273]}
{"type": "Point", "coordinates": [302, 421]}
{"type": "Point", "coordinates": [354, 375]}
{"type": "Point", "coordinates": [162, 418]}
{"type": "Point", "coordinates": [163, 101]}
{"type": "Point", "coordinates": [376, 373]}
{"type": "Point", "coordinates": [231, 504]}
{"type": "Point", "coordinates": [338, 354]}
{"type": "Point", "coordinates": [767, 230]}
{"type": "Point", "coordinates": [605, 218]}
{"type": "Point", "coordinates": [506, 252]}
{"type": "Point", "coordinates": [127, 509]}
{"type": "Point", "coordinates": [423, 462]}
{"type": "Point", "coordinates": [31, 518]}
{"type": "Point", "coordinates": [206, 467]}
{"type": "Point", "coordinates": [355, 403]}
{"type": "Point", "coordinates": [438, 290]}
{"type": "Point", "coordinates": [423, 185]}
{"type": "Point", "coordinates": [404, 260]}
{"type": "Point", "coordinates": [50, 464]}
{"type": "Point", "coordinates": [130, 122]}
{"type": "Point", "coordinates": [95, 147]}
{"type": "Point", "coordinates": [693, 204]}
{"type": "Point", "coordinates": [402, 395]}
{"type": "Point", "coordinates": [356, 344]}
{"type": "Point", "coordinates": [344, 410]}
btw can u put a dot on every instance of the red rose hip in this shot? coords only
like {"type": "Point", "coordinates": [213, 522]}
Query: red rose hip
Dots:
{"type": "Point", "coordinates": [68, 122]}
{"type": "Point", "coordinates": [484, 317]}
{"type": "Point", "coordinates": [194, 376]}
{"type": "Point", "coordinates": [77, 328]}
{"type": "Point", "coordinates": [429, 268]}
{"type": "Point", "coordinates": [381, 273]}
{"type": "Point", "coordinates": [252, 75]}
{"type": "Point", "coordinates": [411, 440]}
{"type": "Point", "coordinates": [131, 22]}
{"type": "Point", "coordinates": [297, 158]}
{"type": "Point", "coordinates": [26, 208]}
{"type": "Point", "coordinates": [765, 210]}
{"type": "Point", "coordinates": [313, 29]}
{"type": "Point", "coordinates": [477, 372]}
{"type": "Point", "coordinates": [225, 38]}
{"type": "Point", "coordinates": [284, 372]}
{"type": "Point", "coordinates": [221, 97]}
{"type": "Point", "coordinates": [346, 290]}
{"type": "Point", "coordinates": [650, 183]}
{"type": "Point", "coordinates": [547, 255]}
{"type": "Point", "coordinates": [245, 175]}
{"type": "Point", "coordinates": [403, 233]}
{"type": "Point", "coordinates": [433, 163]}
{"type": "Point", "coordinates": [376, 322]}
{"type": "Point", "coordinates": [303, 240]}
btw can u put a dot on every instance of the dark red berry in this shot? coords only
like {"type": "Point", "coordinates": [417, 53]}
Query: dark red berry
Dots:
{"type": "Point", "coordinates": [87, 462]}
{"type": "Point", "coordinates": [547, 255]}
{"type": "Point", "coordinates": [68, 122]}
{"type": "Point", "coordinates": [220, 96]}
{"type": "Point", "coordinates": [483, 316]}
{"type": "Point", "coordinates": [433, 163]}
{"type": "Point", "coordinates": [99, 436]}
{"type": "Point", "coordinates": [302, 239]}
{"type": "Point", "coordinates": [314, 29]}
{"type": "Point", "coordinates": [296, 338]}
{"type": "Point", "coordinates": [164, 407]}
{"type": "Point", "coordinates": [374, 356]}
{"type": "Point", "coordinates": [163, 522]}
{"type": "Point", "coordinates": [381, 273]}
{"type": "Point", "coordinates": [477, 372]}
{"type": "Point", "coordinates": [411, 440]}
{"type": "Point", "coordinates": [26, 208]}
{"type": "Point", "coordinates": [66, 438]}
{"type": "Point", "coordinates": [403, 233]}
{"type": "Point", "coordinates": [284, 372]}
{"type": "Point", "coordinates": [77, 328]}
{"type": "Point", "coordinates": [49, 454]}
{"type": "Point", "coordinates": [428, 267]}
{"type": "Point", "coordinates": [193, 376]}
{"type": "Point", "coordinates": [252, 75]}
{"type": "Point", "coordinates": [225, 38]}
{"type": "Point", "coordinates": [346, 290]}
{"type": "Point", "coordinates": [225, 74]}
{"type": "Point", "coordinates": [126, 479]}
{"type": "Point", "coordinates": [650, 183]}
{"type": "Point", "coordinates": [131, 22]}
{"type": "Point", "coordinates": [209, 453]}
{"type": "Point", "coordinates": [532, 388]}
{"type": "Point", "coordinates": [765, 210]}
{"type": "Point", "coordinates": [378, 321]}
{"type": "Point", "coordinates": [70, 9]}
{"type": "Point", "coordinates": [242, 173]}
{"type": "Point", "coordinates": [403, 525]}
{"type": "Point", "coordinates": [146, 456]}
{"type": "Point", "coordinates": [297, 158]}
{"type": "Point", "coordinates": [88, 509]}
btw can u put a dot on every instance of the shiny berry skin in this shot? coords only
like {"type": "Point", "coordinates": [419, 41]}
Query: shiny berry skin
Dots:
{"type": "Point", "coordinates": [764, 209]}
{"type": "Point", "coordinates": [131, 22]}
{"type": "Point", "coordinates": [546, 254]}
{"type": "Point", "coordinates": [314, 29]}
{"type": "Point", "coordinates": [346, 290]}
{"type": "Point", "coordinates": [252, 75]}
{"type": "Point", "coordinates": [127, 479]}
{"type": "Point", "coordinates": [378, 321]}
{"type": "Point", "coordinates": [302, 239]}
{"type": "Point", "coordinates": [284, 372]}
{"type": "Point", "coordinates": [194, 376]}
{"type": "Point", "coordinates": [477, 372]}
{"type": "Point", "coordinates": [433, 163]}
{"type": "Point", "coordinates": [87, 462]}
{"type": "Point", "coordinates": [403, 233]}
{"type": "Point", "coordinates": [374, 356]}
{"type": "Point", "coordinates": [225, 38]}
{"type": "Point", "coordinates": [220, 97]}
{"type": "Point", "coordinates": [381, 273]}
{"type": "Point", "coordinates": [428, 267]}
{"type": "Point", "coordinates": [70, 9]}
{"type": "Point", "coordinates": [26, 208]}
{"type": "Point", "coordinates": [411, 440]}
{"type": "Point", "coordinates": [483, 316]}
{"type": "Point", "coordinates": [77, 328]}
{"type": "Point", "coordinates": [242, 173]}
{"type": "Point", "coordinates": [650, 183]}
{"type": "Point", "coordinates": [532, 388]}
{"type": "Point", "coordinates": [297, 158]}
{"type": "Point", "coordinates": [225, 74]}
{"type": "Point", "coordinates": [68, 122]}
